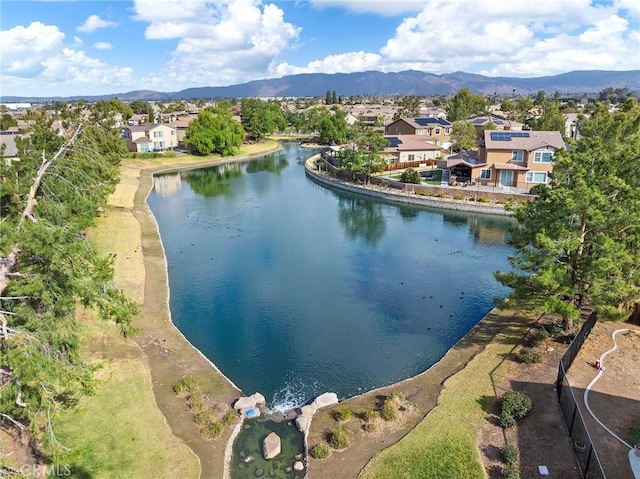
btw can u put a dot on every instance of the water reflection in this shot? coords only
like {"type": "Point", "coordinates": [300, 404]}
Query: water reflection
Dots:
{"type": "Point", "coordinates": [212, 182]}
{"type": "Point", "coordinates": [361, 219]}
{"type": "Point", "coordinates": [271, 163]}
{"type": "Point", "coordinates": [167, 184]}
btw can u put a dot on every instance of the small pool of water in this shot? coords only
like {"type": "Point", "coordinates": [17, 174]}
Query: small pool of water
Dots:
{"type": "Point", "coordinates": [249, 444]}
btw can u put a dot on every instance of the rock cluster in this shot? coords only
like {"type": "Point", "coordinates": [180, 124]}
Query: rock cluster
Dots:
{"type": "Point", "coordinates": [303, 421]}
{"type": "Point", "coordinates": [249, 405]}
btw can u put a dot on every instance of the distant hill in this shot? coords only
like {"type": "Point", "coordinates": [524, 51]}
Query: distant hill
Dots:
{"type": "Point", "coordinates": [386, 84]}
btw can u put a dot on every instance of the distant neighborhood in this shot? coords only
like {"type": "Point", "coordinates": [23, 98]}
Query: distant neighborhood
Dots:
{"type": "Point", "coordinates": [472, 140]}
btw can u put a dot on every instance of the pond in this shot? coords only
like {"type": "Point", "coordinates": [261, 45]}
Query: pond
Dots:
{"type": "Point", "coordinates": [293, 289]}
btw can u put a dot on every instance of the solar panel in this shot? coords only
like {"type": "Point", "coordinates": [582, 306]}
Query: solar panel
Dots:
{"type": "Point", "coordinates": [507, 135]}
{"type": "Point", "coordinates": [498, 122]}
{"type": "Point", "coordinates": [394, 141]}
{"type": "Point", "coordinates": [479, 121]}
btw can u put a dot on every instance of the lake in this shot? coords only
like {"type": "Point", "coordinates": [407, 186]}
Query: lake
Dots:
{"type": "Point", "coordinates": [293, 289]}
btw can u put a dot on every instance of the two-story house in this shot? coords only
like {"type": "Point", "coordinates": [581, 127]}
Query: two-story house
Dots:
{"type": "Point", "coordinates": [491, 122]}
{"type": "Point", "coordinates": [150, 137]}
{"type": "Point", "coordinates": [521, 159]}
{"type": "Point", "coordinates": [411, 148]}
{"type": "Point", "coordinates": [438, 128]}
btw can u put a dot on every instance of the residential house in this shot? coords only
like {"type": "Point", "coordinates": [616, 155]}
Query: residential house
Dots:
{"type": "Point", "coordinates": [494, 123]}
{"type": "Point", "coordinates": [181, 124]}
{"type": "Point", "coordinates": [150, 137]}
{"type": "Point", "coordinates": [520, 159]}
{"type": "Point", "coordinates": [8, 152]}
{"type": "Point", "coordinates": [438, 128]}
{"type": "Point", "coordinates": [411, 148]}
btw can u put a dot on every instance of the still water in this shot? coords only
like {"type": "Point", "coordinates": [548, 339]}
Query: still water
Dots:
{"type": "Point", "coordinates": [293, 289]}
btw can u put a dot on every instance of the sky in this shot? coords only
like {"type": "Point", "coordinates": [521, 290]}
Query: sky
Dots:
{"type": "Point", "coordinates": [66, 48]}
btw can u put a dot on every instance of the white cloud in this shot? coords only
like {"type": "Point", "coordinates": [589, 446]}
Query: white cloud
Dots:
{"type": "Point", "coordinates": [497, 37]}
{"type": "Point", "coordinates": [343, 63]}
{"type": "Point", "coordinates": [380, 7]}
{"type": "Point", "coordinates": [218, 43]}
{"type": "Point", "coordinates": [103, 46]}
{"type": "Point", "coordinates": [36, 61]}
{"type": "Point", "coordinates": [22, 49]}
{"type": "Point", "coordinates": [93, 23]}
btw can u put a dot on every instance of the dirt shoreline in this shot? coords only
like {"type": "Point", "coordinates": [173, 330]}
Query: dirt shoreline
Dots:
{"type": "Point", "coordinates": [171, 356]}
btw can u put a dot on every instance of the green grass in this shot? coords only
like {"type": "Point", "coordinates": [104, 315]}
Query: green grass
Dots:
{"type": "Point", "coordinates": [120, 432]}
{"type": "Point", "coordinates": [444, 444]}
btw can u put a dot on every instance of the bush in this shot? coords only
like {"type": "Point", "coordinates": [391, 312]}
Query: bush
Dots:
{"type": "Point", "coordinates": [529, 356]}
{"type": "Point", "coordinates": [482, 199]}
{"type": "Point", "coordinates": [229, 418]}
{"type": "Point", "coordinates": [459, 196]}
{"type": "Point", "coordinates": [511, 472]}
{"type": "Point", "coordinates": [339, 438]}
{"type": "Point", "coordinates": [555, 330]}
{"type": "Point", "coordinates": [410, 176]}
{"type": "Point", "coordinates": [186, 385]}
{"type": "Point", "coordinates": [389, 411]}
{"type": "Point", "coordinates": [538, 336]}
{"type": "Point", "coordinates": [203, 418]}
{"type": "Point", "coordinates": [510, 454]}
{"type": "Point", "coordinates": [321, 450]}
{"type": "Point", "coordinates": [196, 402]}
{"type": "Point", "coordinates": [515, 405]}
{"type": "Point", "coordinates": [342, 414]}
{"type": "Point", "coordinates": [212, 430]}
{"type": "Point", "coordinates": [370, 414]}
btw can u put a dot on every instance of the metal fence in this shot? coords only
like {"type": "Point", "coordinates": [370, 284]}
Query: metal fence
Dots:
{"type": "Point", "coordinates": [585, 451]}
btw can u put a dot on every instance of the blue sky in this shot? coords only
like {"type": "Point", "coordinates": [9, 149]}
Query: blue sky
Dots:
{"type": "Point", "coordinates": [65, 48]}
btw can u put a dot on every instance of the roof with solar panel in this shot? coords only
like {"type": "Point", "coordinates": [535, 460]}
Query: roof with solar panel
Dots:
{"type": "Point", "coordinates": [522, 140]}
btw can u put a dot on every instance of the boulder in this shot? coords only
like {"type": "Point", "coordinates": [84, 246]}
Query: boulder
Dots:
{"type": "Point", "coordinates": [258, 398]}
{"type": "Point", "coordinates": [244, 403]}
{"type": "Point", "coordinates": [326, 399]}
{"type": "Point", "coordinates": [277, 416]}
{"type": "Point", "coordinates": [271, 446]}
{"type": "Point", "coordinates": [298, 466]}
{"type": "Point", "coordinates": [303, 422]}
{"type": "Point", "coordinates": [308, 410]}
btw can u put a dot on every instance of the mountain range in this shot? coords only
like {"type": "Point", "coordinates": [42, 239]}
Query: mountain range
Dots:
{"type": "Point", "coordinates": [409, 82]}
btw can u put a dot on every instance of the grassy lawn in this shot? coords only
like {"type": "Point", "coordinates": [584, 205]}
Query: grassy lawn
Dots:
{"type": "Point", "coordinates": [119, 431]}
{"type": "Point", "coordinates": [443, 445]}
{"type": "Point", "coordinates": [437, 178]}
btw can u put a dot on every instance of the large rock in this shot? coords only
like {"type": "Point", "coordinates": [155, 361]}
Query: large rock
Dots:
{"type": "Point", "coordinates": [298, 466]}
{"type": "Point", "coordinates": [271, 446]}
{"type": "Point", "coordinates": [308, 410]}
{"type": "Point", "coordinates": [244, 403]}
{"type": "Point", "coordinates": [303, 422]}
{"type": "Point", "coordinates": [326, 399]}
{"type": "Point", "coordinates": [258, 398]}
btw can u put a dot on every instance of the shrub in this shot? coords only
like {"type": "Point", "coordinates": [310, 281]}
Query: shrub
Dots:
{"type": "Point", "coordinates": [321, 450]}
{"type": "Point", "coordinates": [511, 472]}
{"type": "Point", "coordinates": [339, 438]}
{"type": "Point", "coordinates": [510, 454]}
{"type": "Point", "coordinates": [410, 176]}
{"type": "Point", "coordinates": [203, 418]}
{"type": "Point", "coordinates": [212, 430]}
{"type": "Point", "coordinates": [389, 411]}
{"type": "Point", "coordinates": [370, 414]}
{"type": "Point", "coordinates": [229, 418]}
{"type": "Point", "coordinates": [555, 330]}
{"type": "Point", "coordinates": [459, 196]}
{"type": "Point", "coordinates": [482, 199]}
{"type": "Point", "coordinates": [186, 385]}
{"type": "Point", "coordinates": [515, 405]}
{"type": "Point", "coordinates": [538, 336]}
{"type": "Point", "coordinates": [529, 356]}
{"type": "Point", "coordinates": [196, 402]}
{"type": "Point", "coordinates": [342, 414]}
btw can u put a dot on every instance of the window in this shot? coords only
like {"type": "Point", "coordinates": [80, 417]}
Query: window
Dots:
{"type": "Point", "coordinates": [517, 155]}
{"type": "Point", "coordinates": [412, 157]}
{"type": "Point", "coordinates": [543, 157]}
{"type": "Point", "coordinates": [157, 134]}
{"type": "Point", "coordinates": [173, 132]}
{"type": "Point", "coordinates": [158, 144]}
{"type": "Point", "coordinates": [536, 177]}
{"type": "Point", "coordinates": [437, 131]}
{"type": "Point", "coordinates": [447, 130]}
{"type": "Point", "coordinates": [421, 131]}
{"type": "Point", "coordinates": [485, 174]}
